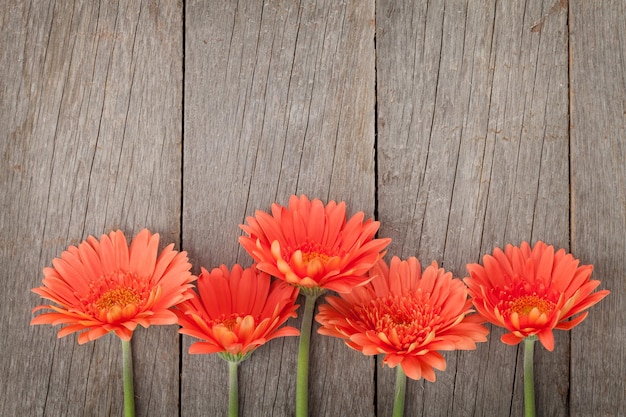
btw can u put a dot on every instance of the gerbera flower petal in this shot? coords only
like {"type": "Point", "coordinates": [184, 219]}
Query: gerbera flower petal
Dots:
{"type": "Point", "coordinates": [107, 256]}
{"type": "Point", "coordinates": [143, 252]}
{"type": "Point", "coordinates": [163, 317]}
{"type": "Point", "coordinates": [65, 274]}
{"type": "Point", "coordinates": [215, 294]}
{"type": "Point", "coordinates": [284, 331]}
{"type": "Point", "coordinates": [97, 332]}
{"type": "Point", "coordinates": [405, 314]}
{"type": "Point", "coordinates": [569, 325]}
{"type": "Point", "coordinates": [531, 291]}
{"type": "Point", "coordinates": [166, 263]}
{"type": "Point", "coordinates": [100, 290]}
{"type": "Point", "coordinates": [204, 347]}
{"type": "Point", "coordinates": [235, 311]}
{"type": "Point", "coordinates": [412, 367]}
{"type": "Point", "coordinates": [546, 337]}
{"type": "Point", "coordinates": [511, 339]}
{"type": "Point", "coordinates": [70, 329]}
{"type": "Point", "coordinates": [434, 360]}
{"type": "Point", "coordinates": [89, 259]}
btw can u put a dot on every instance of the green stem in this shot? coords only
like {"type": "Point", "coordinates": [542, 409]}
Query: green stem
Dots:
{"type": "Point", "coordinates": [129, 392]}
{"type": "Point", "coordinates": [302, 383]}
{"type": "Point", "coordinates": [529, 383]}
{"type": "Point", "coordinates": [233, 390]}
{"type": "Point", "coordinates": [398, 401]}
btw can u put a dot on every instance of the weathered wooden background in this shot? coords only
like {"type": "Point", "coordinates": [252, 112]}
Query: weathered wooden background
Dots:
{"type": "Point", "coordinates": [461, 125]}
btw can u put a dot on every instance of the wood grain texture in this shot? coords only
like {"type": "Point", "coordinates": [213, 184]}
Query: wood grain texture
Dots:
{"type": "Point", "coordinates": [496, 122]}
{"type": "Point", "coordinates": [279, 100]}
{"type": "Point", "coordinates": [90, 140]}
{"type": "Point", "coordinates": [598, 141]}
{"type": "Point", "coordinates": [473, 154]}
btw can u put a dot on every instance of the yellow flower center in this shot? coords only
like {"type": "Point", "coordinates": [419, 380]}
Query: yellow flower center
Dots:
{"type": "Point", "coordinates": [230, 322]}
{"type": "Point", "coordinates": [117, 290]}
{"type": "Point", "coordinates": [122, 297]}
{"type": "Point", "coordinates": [310, 256]}
{"type": "Point", "coordinates": [526, 303]}
{"type": "Point", "coordinates": [312, 252]}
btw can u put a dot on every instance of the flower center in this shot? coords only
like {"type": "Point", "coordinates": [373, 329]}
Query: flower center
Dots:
{"type": "Point", "coordinates": [312, 252]}
{"type": "Point", "coordinates": [121, 297]}
{"type": "Point", "coordinates": [310, 256]}
{"type": "Point", "coordinates": [526, 303]}
{"type": "Point", "coordinates": [405, 320]}
{"type": "Point", "coordinates": [230, 321]}
{"type": "Point", "coordinates": [117, 290]}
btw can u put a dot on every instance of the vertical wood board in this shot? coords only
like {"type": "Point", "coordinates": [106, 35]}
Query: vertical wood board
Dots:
{"type": "Point", "coordinates": [598, 141]}
{"type": "Point", "coordinates": [472, 154]}
{"type": "Point", "coordinates": [90, 109]}
{"type": "Point", "coordinates": [279, 100]}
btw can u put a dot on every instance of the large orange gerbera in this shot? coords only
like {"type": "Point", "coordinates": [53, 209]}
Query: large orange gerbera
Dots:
{"type": "Point", "coordinates": [236, 311]}
{"type": "Point", "coordinates": [310, 245]}
{"type": "Point", "coordinates": [104, 286]}
{"type": "Point", "coordinates": [532, 291]}
{"type": "Point", "coordinates": [406, 315]}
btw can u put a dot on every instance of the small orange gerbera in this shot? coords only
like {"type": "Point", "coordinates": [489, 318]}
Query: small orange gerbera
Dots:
{"type": "Point", "coordinates": [104, 286]}
{"type": "Point", "coordinates": [406, 315]}
{"type": "Point", "coordinates": [532, 291]}
{"type": "Point", "coordinates": [310, 245]}
{"type": "Point", "coordinates": [236, 311]}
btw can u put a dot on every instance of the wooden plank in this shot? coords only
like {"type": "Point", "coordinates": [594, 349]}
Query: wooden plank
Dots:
{"type": "Point", "coordinates": [472, 141]}
{"type": "Point", "coordinates": [472, 154]}
{"type": "Point", "coordinates": [598, 149]}
{"type": "Point", "coordinates": [90, 141]}
{"type": "Point", "coordinates": [279, 100]}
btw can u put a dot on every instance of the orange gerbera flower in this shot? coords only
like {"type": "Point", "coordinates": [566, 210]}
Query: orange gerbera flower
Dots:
{"type": "Point", "coordinates": [405, 315]}
{"type": "Point", "coordinates": [312, 246]}
{"type": "Point", "coordinates": [532, 291]}
{"type": "Point", "coordinates": [236, 311]}
{"type": "Point", "coordinates": [104, 286]}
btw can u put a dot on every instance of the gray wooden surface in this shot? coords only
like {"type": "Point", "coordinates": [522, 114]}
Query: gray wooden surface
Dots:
{"type": "Point", "coordinates": [461, 125]}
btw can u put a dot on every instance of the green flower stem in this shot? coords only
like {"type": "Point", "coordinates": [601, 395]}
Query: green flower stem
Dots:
{"type": "Point", "coordinates": [302, 383]}
{"type": "Point", "coordinates": [529, 382]}
{"type": "Point", "coordinates": [129, 392]}
{"type": "Point", "coordinates": [398, 401]}
{"type": "Point", "coordinates": [233, 389]}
